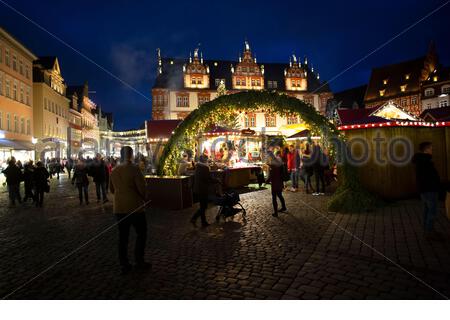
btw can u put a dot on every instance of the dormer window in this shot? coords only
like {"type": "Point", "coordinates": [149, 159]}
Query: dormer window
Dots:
{"type": "Point", "coordinates": [429, 92]}
{"type": "Point", "coordinates": [407, 76]}
{"type": "Point", "coordinates": [435, 78]}
{"type": "Point", "coordinates": [385, 81]}
{"type": "Point", "coordinates": [403, 88]}
{"type": "Point", "coordinates": [382, 92]}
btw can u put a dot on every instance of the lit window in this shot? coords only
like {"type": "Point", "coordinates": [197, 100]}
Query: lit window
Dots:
{"type": "Point", "coordinates": [407, 76]}
{"type": "Point", "coordinates": [435, 78]}
{"type": "Point", "coordinates": [7, 59]}
{"type": "Point", "coordinates": [414, 100]}
{"type": "Point", "coordinates": [270, 120]}
{"type": "Point", "coordinates": [382, 92]}
{"type": "Point", "coordinates": [385, 81]}
{"type": "Point", "coordinates": [443, 103]}
{"type": "Point", "coordinates": [404, 102]}
{"type": "Point", "coordinates": [403, 88]}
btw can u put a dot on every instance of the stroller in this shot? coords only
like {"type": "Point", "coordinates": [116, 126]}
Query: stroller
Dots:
{"type": "Point", "coordinates": [227, 205]}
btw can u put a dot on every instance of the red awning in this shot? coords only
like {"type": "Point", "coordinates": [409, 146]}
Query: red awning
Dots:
{"type": "Point", "coordinates": [161, 129]}
{"type": "Point", "coordinates": [217, 130]}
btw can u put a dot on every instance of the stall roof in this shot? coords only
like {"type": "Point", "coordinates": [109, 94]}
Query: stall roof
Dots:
{"type": "Point", "coordinates": [161, 129]}
{"type": "Point", "coordinates": [436, 114]}
{"type": "Point", "coordinates": [302, 134]}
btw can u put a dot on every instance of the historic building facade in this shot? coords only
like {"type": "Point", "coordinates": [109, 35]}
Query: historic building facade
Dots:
{"type": "Point", "coordinates": [16, 99]}
{"type": "Point", "coordinates": [182, 85]}
{"type": "Point", "coordinates": [89, 127]}
{"type": "Point", "coordinates": [402, 82]}
{"type": "Point", "coordinates": [51, 109]}
{"type": "Point", "coordinates": [436, 90]}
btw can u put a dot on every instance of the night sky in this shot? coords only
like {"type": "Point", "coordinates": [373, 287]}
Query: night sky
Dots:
{"type": "Point", "coordinates": [123, 36]}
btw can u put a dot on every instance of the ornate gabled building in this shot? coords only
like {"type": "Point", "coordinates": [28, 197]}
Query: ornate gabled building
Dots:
{"type": "Point", "coordinates": [182, 85]}
{"type": "Point", "coordinates": [50, 110]}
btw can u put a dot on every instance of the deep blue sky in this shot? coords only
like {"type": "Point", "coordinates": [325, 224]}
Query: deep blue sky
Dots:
{"type": "Point", "coordinates": [123, 36]}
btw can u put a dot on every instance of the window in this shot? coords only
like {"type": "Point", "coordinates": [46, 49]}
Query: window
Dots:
{"type": "Point", "coordinates": [250, 120]}
{"type": "Point", "coordinates": [1, 55]}
{"type": "Point", "coordinates": [382, 92]}
{"type": "Point", "coordinates": [8, 88]}
{"type": "Point", "coordinates": [1, 84]}
{"type": "Point", "coordinates": [183, 101]}
{"type": "Point", "coordinates": [45, 104]}
{"type": "Point", "coordinates": [403, 88]}
{"type": "Point", "coordinates": [253, 82]}
{"type": "Point", "coordinates": [407, 76]}
{"type": "Point", "coordinates": [429, 92]}
{"type": "Point", "coordinates": [27, 72]}
{"type": "Point", "coordinates": [414, 100]}
{"type": "Point", "coordinates": [7, 58]}
{"type": "Point", "coordinates": [272, 84]}
{"type": "Point", "coordinates": [202, 99]}
{"type": "Point", "coordinates": [16, 124]}
{"type": "Point", "coordinates": [27, 98]}
{"type": "Point", "coordinates": [15, 90]}
{"type": "Point", "coordinates": [271, 120]}
{"type": "Point", "coordinates": [385, 81]}
{"type": "Point", "coordinates": [238, 82]}
{"type": "Point", "coordinates": [404, 103]}
{"type": "Point", "coordinates": [445, 89]}
{"type": "Point", "coordinates": [22, 125]}
{"type": "Point", "coordinates": [258, 82]}
{"type": "Point", "coordinates": [28, 127]}
{"type": "Point", "coordinates": [8, 122]}
{"type": "Point", "coordinates": [14, 63]}
{"type": "Point", "coordinates": [1, 120]}
{"type": "Point", "coordinates": [22, 97]}
{"type": "Point", "coordinates": [21, 67]}
{"type": "Point", "coordinates": [443, 103]}
{"type": "Point", "coordinates": [292, 120]}
{"type": "Point", "coordinates": [428, 105]}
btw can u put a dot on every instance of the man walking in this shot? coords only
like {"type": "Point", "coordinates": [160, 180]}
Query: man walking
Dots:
{"type": "Point", "coordinates": [127, 184]}
{"type": "Point", "coordinates": [99, 172]}
{"type": "Point", "coordinates": [276, 181]}
{"type": "Point", "coordinates": [428, 185]}
{"type": "Point", "coordinates": [13, 176]}
{"type": "Point", "coordinates": [202, 180]}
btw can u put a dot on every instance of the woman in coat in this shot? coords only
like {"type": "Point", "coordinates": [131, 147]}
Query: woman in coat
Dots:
{"type": "Point", "coordinates": [40, 176]}
{"type": "Point", "coordinates": [80, 179]}
{"type": "Point", "coordinates": [276, 180]}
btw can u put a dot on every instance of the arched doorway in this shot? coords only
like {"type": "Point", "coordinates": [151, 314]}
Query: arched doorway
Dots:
{"type": "Point", "coordinates": [350, 195]}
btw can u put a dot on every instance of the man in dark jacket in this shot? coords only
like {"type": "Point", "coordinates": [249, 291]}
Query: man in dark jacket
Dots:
{"type": "Point", "coordinates": [202, 180]}
{"type": "Point", "coordinates": [13, 177]}
{"type": "Point", "coordinates": [428, 184]}
{"type": "Point", "coordinates": [28, 180]}
{"type": "Point", "coordinates": [99, 172]}
{"type": "Point", "coordinates": [40, 176]}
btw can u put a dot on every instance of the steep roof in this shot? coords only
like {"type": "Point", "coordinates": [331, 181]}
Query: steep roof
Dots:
{"type": "Point", "coordinates": [437, 114]}
{"type": "Point", "coordinates": [351, 97]}
{"type": "Point", "coordinates": [395, 75]}
{"type": "Point", "coordinates": [358, 116]}
{"type": "Point", "coordinates": [172, 74]}
{"type": "Point", "coordinates": [46, 62]}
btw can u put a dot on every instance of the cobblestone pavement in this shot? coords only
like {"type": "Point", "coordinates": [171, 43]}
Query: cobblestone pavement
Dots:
{"type": "Point", "coordinates": [303, 254]}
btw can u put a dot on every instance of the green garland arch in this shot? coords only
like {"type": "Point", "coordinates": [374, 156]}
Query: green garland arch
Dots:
{"type": "Point", "coordinates": [350, 195]}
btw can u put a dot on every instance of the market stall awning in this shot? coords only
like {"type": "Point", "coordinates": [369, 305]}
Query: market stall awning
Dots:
{"type": "Point", "coordinates": [290, 129]}
{"type": "Point", "coordinates": [299, 135]}
{"type": "Point", "coordinates": [16, 145]}
{"type": "Point", "coordinates": [161, 129]}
